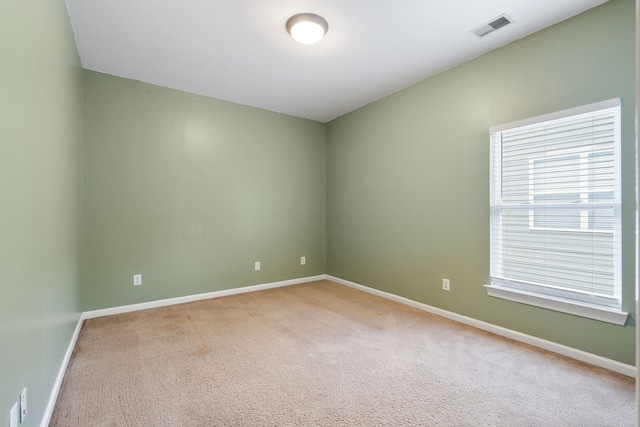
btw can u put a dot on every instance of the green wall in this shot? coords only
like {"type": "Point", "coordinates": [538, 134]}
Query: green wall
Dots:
{"type": "Point", "coordinates": [190, 191]}
{"type": "Point", "coordinates": [40, 145]}
{"type": "Point", "coordinates": [408, 176]}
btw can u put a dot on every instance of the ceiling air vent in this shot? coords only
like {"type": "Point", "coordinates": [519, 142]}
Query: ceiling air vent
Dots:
{"type": "Point", "coordinates": [492, 25]}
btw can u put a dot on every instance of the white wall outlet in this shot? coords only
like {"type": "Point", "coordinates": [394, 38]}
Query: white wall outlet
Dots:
{"type": "Point", "coordinates": [13, 415]}
{"type": "Point", "coordinates": [23, 405]}
{"type": "Point", "coordinates": [137, 279]}
{"type": "Point", "coordinates": [257, 266]}
{"type": "Point", "coordinates": [303, 260]}
{"type": "Point", "coordinates": [445, 285]}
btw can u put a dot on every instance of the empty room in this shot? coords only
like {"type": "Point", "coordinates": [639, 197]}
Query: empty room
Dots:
{"type": "Point", "coordinates": [425, 215]}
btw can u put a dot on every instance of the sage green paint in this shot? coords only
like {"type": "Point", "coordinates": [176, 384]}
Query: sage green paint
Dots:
{"type": "Point", "coordinates": [408, 176]}
{"type": "Point", "coordinates": [40, 140]}
{"type": "Point", "coordinates": [190, 191]}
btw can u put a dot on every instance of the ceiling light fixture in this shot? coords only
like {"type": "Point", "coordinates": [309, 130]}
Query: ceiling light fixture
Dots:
{"type": "Point", "coordinates": [307, 28]}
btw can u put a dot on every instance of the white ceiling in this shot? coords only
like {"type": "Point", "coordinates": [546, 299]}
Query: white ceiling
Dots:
{"type": "Point", "coordinates": [239, 50]}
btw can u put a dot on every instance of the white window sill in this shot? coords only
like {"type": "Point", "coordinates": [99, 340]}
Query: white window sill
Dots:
{"type": "Point", "coordinates": [608, 315]}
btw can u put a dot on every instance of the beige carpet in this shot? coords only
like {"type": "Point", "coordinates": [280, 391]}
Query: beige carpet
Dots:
{"type": "Point", "coordinates": [321, 354]}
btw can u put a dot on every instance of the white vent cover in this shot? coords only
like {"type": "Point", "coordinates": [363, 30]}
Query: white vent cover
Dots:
{"type": "Point", "coordinates": [492, 25]}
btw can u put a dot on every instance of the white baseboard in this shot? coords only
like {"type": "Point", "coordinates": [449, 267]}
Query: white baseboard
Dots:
{"type": "Point", "coordinates": [189, 298]}
{"type": "Point", "coordinates": [46, 418]}
{"type": "Point", "coordinates": [583, 356]}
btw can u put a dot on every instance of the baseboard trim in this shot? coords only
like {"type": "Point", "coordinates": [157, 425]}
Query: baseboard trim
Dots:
{"type": "Point", "coordinates": [564, 350]}
{"type": "Point", "coordinates": [48, 412]}
{"type": "Point", "coordinates": [196, 297]}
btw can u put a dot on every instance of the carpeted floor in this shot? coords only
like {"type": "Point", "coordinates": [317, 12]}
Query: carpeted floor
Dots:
{"type": "Point", "coordinates": [321, 354]}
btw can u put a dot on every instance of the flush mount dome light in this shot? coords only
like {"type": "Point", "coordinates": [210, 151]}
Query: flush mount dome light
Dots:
{"type": "Point", "coordinates": [307, 28]}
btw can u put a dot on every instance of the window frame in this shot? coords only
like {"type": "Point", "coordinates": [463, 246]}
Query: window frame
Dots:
{"type": "Point", "coordinates": [607, 309]}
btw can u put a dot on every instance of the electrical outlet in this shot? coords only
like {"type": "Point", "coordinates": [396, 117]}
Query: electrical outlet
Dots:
{"type": "Point", "coordinates": [13, 416]}
{"type": "Point", "coordinates": [137, 279]}
{"type": "Point", "coordinates": [257, 266]}
{"type": "Point", "coordinates": [303, 260]}
{"type": "Point", "coordinates": [445, 285]}
{"type": "Point", "coordinates": [23, 405]}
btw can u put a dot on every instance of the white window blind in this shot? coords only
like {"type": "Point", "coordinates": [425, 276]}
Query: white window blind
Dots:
{"type": "Point", "coordinates": [555, 205]}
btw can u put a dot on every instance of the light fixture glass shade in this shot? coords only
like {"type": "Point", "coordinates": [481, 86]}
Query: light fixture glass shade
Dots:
{"type": "Point", "coordinates": [307, 28]}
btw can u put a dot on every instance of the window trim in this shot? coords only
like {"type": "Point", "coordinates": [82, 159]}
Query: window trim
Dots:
{"type": "Point", "coordinates": [609, 315]}
{"type": "Point", "coordinates": [497, 288]}
{"type": "Point", "coordinates": [584, 109]}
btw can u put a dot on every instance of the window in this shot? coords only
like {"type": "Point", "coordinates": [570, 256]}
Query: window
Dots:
{"type": "Point", "coordinates": [555, 211]}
